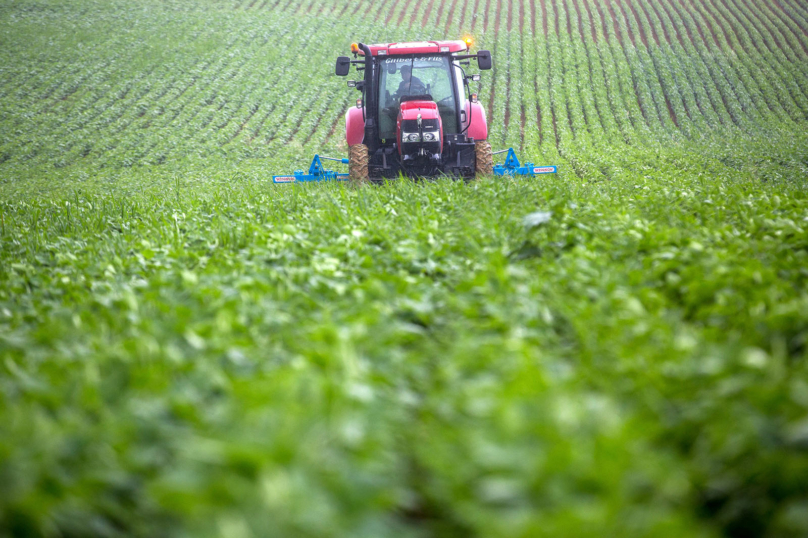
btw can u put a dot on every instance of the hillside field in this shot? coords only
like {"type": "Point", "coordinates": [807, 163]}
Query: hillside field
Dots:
{"type": "Point", "coordinates": [187, 349]}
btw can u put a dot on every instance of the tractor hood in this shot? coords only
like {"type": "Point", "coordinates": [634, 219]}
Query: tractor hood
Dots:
{"type": "Point", "coordinates": [419, 129]}
{"type": "Point", "coordinates": [411, 109]}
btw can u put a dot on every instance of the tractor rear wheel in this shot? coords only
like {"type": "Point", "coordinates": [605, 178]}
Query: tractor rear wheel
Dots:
{"type": "Point", "coordinates": [358, 163]}
{"type": "Point", "coordinates": [485, 158]}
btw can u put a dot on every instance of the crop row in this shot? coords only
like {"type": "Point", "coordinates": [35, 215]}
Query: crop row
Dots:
{"type": "Point", "coordinates": [574, 80]}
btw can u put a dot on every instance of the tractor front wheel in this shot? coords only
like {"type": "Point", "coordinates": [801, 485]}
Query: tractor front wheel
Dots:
{"type": "Point", "coordinates": [485, 158]}
{"type": "Point", "coordinates": [358, 164]}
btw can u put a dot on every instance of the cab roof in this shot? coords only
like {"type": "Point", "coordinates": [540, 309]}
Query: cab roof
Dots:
{"type": "Point", "coordinates": [416, 47]}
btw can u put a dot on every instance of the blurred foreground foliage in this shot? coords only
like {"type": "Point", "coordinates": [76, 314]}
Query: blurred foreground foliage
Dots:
{"type": "Point", "coordinates": [207, 354]}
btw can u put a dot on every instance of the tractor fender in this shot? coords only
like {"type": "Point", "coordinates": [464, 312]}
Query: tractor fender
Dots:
{"type": "Point", "coordinates": [478, 130]}
{"type": "Point", "coordinates": [354, 126]}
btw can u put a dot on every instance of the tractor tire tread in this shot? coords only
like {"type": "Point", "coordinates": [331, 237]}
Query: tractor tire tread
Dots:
{"type": "Point", "coordinates": [484, 157]}
{"type": "Point", "coordinates": [358, 163]}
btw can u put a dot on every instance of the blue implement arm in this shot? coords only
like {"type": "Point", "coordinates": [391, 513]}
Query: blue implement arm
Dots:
{"type": "Point", "coordinates": [317, 172]}
{"type": "Point", "coordinates": [513, 168]}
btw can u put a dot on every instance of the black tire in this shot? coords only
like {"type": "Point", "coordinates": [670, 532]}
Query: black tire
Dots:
{"type": "Point", "coordinates": [485, 158]}
{"type": "Point", "coordinates": [358, 164]}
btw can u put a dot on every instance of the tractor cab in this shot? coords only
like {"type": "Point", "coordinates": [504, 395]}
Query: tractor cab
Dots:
{"type": "Point", "coordinates": [418, 78]}
{"type": "Point", "coordinates": [417, 115]}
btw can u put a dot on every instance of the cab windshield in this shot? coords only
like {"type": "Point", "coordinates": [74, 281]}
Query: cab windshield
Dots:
{"type": "Point", "coordinates": [428, 76]}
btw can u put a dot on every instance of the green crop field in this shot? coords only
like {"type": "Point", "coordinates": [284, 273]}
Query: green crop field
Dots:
{"type": "Point", "coordinates": [618, 350]}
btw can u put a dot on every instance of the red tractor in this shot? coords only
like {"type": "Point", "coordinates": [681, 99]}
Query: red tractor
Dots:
{"type": "Point", "coordinates": [417, 115]}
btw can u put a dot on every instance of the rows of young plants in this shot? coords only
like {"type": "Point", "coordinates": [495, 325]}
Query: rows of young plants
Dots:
{"type": "Point", "coordinates": [187, 349]}
{"type": "Point", "coordinates": [576, 80]}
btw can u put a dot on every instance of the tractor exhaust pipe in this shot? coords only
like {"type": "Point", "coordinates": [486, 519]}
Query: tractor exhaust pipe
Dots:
{"type": "Point", "coordinates": [369, 100]}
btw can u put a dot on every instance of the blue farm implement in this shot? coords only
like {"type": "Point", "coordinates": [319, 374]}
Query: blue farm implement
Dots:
{"type": "Point", "coordinates": [317, 172]}
{"type": "Point", "coordinates": [513, 168]}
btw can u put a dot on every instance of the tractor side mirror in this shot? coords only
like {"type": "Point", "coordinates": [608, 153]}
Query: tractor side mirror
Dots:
{"type": "Point", "coordinates": [343, 66]}
{"type": "Point", "coordinates": [484, 60]}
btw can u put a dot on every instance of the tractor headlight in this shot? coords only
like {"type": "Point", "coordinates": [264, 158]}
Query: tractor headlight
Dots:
{"type": "Point", "coordinates": [432, 137]}
{"type": "Point", "coordinates": [410, 137]}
